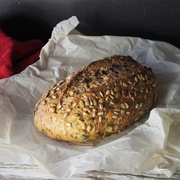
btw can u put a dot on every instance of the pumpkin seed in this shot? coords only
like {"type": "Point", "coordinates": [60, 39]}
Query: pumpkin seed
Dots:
{"type": "Point", "coordinates": [84, 137]}
{"type": "Point", "coordinates": [89, 127]}
{"type": "Point", "coordinates": [109, 129]}
{"type": "Point", "coordinates": [116, 89]}
{"type": "Point", "coordinates": [89, 121]}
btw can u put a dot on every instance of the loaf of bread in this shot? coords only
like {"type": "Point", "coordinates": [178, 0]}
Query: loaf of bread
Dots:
{"type": "Point", "coordinates": [101, 99]}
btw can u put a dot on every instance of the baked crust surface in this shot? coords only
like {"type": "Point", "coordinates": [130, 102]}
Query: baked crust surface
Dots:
{"type": "Point", "coordinates": [101, 99]}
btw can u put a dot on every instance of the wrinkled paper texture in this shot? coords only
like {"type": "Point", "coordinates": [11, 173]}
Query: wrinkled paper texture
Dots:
{"type": "Point", "coordinates": [151, 145]}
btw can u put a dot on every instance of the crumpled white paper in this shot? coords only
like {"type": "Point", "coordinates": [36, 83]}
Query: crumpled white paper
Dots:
{"type": "Point", "coordinates": [151, 145]}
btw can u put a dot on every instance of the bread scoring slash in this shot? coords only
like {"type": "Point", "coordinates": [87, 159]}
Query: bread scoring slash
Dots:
{"type": "Point", "coordinates": [101, 99]}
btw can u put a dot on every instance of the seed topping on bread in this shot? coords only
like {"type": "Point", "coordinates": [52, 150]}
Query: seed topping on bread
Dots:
{"type": "Point", "coordinates": [101, 99]}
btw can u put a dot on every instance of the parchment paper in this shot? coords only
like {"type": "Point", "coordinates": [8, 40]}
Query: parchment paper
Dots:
{"type": "Point", "coordinates": [151, 145]}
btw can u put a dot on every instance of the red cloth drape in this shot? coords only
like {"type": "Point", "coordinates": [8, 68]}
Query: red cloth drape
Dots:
{"type": "Point", "coordinates": [15, 56]}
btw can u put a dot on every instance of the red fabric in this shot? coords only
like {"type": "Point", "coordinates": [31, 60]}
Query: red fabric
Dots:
{"type": "Point", "coordinates": [15, 56]}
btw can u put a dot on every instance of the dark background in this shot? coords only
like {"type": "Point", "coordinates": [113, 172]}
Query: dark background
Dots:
{"type": "Point", "coordinates": [152, 19]}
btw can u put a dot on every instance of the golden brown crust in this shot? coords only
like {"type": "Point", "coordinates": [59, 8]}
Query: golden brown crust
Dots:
{"type": "Point", "coordinates": [101, 99]}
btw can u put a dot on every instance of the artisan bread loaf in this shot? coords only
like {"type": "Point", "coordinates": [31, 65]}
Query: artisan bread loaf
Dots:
{"type": "Point", "coordinates": [101, 99]}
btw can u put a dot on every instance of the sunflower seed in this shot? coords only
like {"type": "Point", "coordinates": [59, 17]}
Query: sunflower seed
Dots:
{"type": "Point", "coordinates": [68, 110]}
{"type": "Point", "coordinates": [136, 79]}
{"type": "Point", "coordinates": [147, 91]}
{"type": "Point", "coordinates": [129, 82]}
{"type": "Point", "coordinates": [116, 127]}
{"type": "Point", "coordinates": [83, 126]}
{"type": "Point", "coordinates": [60, 82]}
{"type": "Point", "coordinates": [118, 95]}
{"type": "Point", "coordinates": [114, 117]}
{"type": "Point", "coordinates": [128, 113]}
{"type": "Point", "coordinates": [94, 102]}
{"type": "Point", "coordinates": [107, 92]}
{"type": "Point", "coordinates": [112, 92]}
{"type": "Point", "coordinates": [74, 105]}
{"type": "Point", "coordinates": [94, 129]}
{"type": "Point", "coordinates": [100, 118]}
{"type": "Point", "coordinates": [71, 93]}
{"type": "Point", "coordinates": [85, 109]}
{"type": "Point", "coordinates": [123, 105]}
{"type": "Point", "coordinates": [85, 113]}
{"type": "Point", "coordinates": [94, 114]}
{"type": "Point", "coordinates": [137, 106]}
{"type": "Point", "coordinates": [81, 103]}
{"type": "Point", "coordinates": [52, 92]}
{"type": "Point", "coordinates": [90, 101]}
{"type": "Point", "coordinates": [53, 87]}
{"type": "Point", "coordinates": [141, 76]}
{"type": "Point", "coordinates": [112, 97]}
{"type": "Point", "coordinates": [124, 93]}
{"type": "Point", "coordinates": [53, 105]}
{"type": "Point", "coordinates": [52, 109]}
{"type": "Point", "coordinates": [127, 106]}
{"type": "Point", "coordinates": [84, 132]}
{"type": "Point", "coordinates": [81, 89]}
{"type": "Point", "coordinates": [140, 105]}
{"type": "Point", "coordinates": [45, 95]}
{"type": "Point", "coordinates": [100, 113]}
{"type": "Point", "coordinates": [54, 96]}
{"type": "Point", "coordinates": [87, 102]}
{"type": "Point", "coordinates": [135, 93]}
{"type": "Point", "coordinates": [101, 100]}
{"type": "Point", "coordinates": [66, 114]}
{"type": "Point", "coordinates": [112, 103]}
{"type": "Point", "coordinates": [44, 102]}
{"type": "Point", "coordinates": [69, 124]}
{"type": "Point", "coordinates": [101, 94]}
{"type": "Point", "coordinates": [117, 109]}
{"type": "Point", "coordinates": [92, 107]}
{"type": "Point", "coordinates": [76, 115]}
{"type": "Point", "coordinates": [130, 95]}
{"type": "Point", "coordinates": [124, 84]}
{"type": "Point", "coordinates": [80, 120]}
{"type": "Point", "coordinates": [101, 106]}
